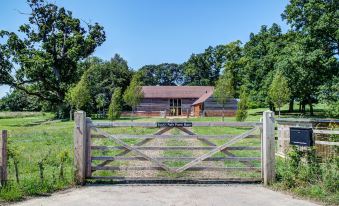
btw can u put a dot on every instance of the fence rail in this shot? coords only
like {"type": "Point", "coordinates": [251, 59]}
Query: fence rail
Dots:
{"type": "Point", "coordinates": [317, 131]}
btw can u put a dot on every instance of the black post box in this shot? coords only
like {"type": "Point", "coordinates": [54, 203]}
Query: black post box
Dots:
{"type": "Point", "coordinates": [301, 136]}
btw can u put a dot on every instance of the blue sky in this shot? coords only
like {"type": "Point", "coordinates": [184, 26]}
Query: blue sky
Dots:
{"type": "Point", "coordinates": [157, 31]}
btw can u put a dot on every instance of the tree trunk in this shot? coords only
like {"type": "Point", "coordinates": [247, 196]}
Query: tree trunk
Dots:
{"type": "Point", "coordinates": [290, 107]}
{"type": "Point", "coordinates": [223, 114]}
{"type": "Point", "coordinates": [271, 107]}
{"type": "Point", "coordinates": [299, 106]}
{"type": "Point", "coordinates": [279, 111]}
{"type": "Point", "coordinates": [311, 108]}
{"type": "Point", "coordinates": [132, 114]}
{"type": "Point", "coordinates": [303, 107]}
{"type": "Point", "coordinates": [71, 114]}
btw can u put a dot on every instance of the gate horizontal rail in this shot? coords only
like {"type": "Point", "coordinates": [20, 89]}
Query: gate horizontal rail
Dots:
{"type": "Point", "coordinates": [142, 180]}
{"type": "Point", "coordinates": [173, 148]}
{"type": "Point", "coordinates": [194, 124]}
{"type": "Point", "coordinates": [165, 136]}
{"type": "Point", "coordinates": [176, 158]}
{"type": "Point", "coordinates": [188, 169]}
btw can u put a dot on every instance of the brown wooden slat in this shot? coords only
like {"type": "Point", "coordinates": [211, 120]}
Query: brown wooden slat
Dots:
{"type": "Point", "coordinates": [173, 148]}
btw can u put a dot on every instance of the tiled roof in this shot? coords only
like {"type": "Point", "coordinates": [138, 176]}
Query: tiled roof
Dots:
{"type": "Point", "coordinates": [203, 98]}
{"type": "Point", "coordinates": [176, 91]}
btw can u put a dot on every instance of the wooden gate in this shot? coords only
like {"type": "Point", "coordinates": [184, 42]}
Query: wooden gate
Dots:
{"type": "Point", "coordinates": [183, 156]}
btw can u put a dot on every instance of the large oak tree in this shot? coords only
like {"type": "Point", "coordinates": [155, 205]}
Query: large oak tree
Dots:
{"type": "Point", "coordinates": [42, 59]}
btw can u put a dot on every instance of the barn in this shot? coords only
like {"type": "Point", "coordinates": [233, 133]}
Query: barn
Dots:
{"type": "Point", "coordinates": [182, 101]}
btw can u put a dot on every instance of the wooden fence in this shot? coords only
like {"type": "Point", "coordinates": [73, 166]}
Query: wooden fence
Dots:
{"type": "Point", "coordinates": [84, 135]}
{"type": "Point", "coordinates": [3, 157]}
{"type": "Point", "coordinates": [85, 131]}
{"type": "Point", "coordinates": [322, 131]}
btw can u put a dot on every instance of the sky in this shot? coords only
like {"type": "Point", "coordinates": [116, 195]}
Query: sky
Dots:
{"type": "Point", "coordinates": [158, 31]}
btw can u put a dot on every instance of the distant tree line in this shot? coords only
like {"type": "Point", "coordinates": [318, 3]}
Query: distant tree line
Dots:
{"type": "Point", "coordinates": [49, 66]}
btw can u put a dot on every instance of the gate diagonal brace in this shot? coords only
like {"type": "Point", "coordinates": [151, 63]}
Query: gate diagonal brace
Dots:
{"type": "Point", "coordinates": [206, 141]}
{"type": "Point", "coordinates": [126, 151]}
{"type": "Point", "coordinates": [214, 151]}
{"type": "Point", "coordinates": [118, 141]}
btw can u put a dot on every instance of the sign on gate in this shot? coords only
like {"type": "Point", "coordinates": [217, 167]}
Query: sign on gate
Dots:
{"type": "Point", "coordinates": [174, 124]}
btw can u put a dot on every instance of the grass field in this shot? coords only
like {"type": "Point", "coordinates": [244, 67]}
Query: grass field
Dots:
{"type": "Point", "coordinates": [41, 149]}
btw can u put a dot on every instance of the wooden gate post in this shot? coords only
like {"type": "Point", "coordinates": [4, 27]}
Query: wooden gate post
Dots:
{"type": "Point", "coordinates": [268, 148]}
{"type": "Point", "coordinates": [3, 157]}
{"type": "Point", "coordinates": [80, 146]}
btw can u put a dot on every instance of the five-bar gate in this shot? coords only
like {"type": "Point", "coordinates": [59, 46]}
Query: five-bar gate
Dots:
{"type": "Point", "coordinates": [175, 152]}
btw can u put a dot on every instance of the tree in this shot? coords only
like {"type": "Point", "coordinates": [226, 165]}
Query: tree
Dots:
{"type": "Point", "coordinates": [79, 95]}
{"type": "Point", "coordinates": [241, 113]}
{"type": "Point", "coordinates": [329, 94]}
{"type": "Point", "coordinates": [163, 74]}
{"type": "Point", "coordinates": [44, 55]}
{"type": "Point", "coordinates": [314, 51]}
{"type": "Point", "coordinates": [260, 56]}
{"type": "Point", "coordinates": [224, 90]}
{"type": "Point", "coordinates": [279, 92]}
{"type": "Point", "coordinates": [204, 69]}
{"type": "Point", "coordinates": [115, 106]}
{"type": "Point", "coordinates": [318, 19]}
{"type": "Point", "coordinates": [103, 77]}
{"type": "Point", "coordinates": [100, 101]}
{"type": "Point", "coordinates": [233, 65]}
{"type": "Point", "coordinates": [133, 94]}
{"type": "Point", "coordinates": [18, 100]}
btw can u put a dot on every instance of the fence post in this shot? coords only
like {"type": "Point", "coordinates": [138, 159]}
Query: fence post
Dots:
{"type": "Point", "coordinates": [88, 148]}
{"type": "Point", "coordinates": [3, 157]}
{"type": "Point", "coordinates": [80, 149]}
{"type": "Point", "coordinates": [268, 149]}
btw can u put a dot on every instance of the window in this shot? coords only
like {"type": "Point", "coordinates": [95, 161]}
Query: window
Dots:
{"type": "Point", "coordinates": [175, 107]}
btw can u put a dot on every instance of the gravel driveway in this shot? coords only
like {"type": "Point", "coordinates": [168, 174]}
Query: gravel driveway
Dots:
{"type": "Point", "coordinates": [185, 195]}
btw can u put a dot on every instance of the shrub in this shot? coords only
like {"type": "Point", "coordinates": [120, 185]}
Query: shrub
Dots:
{"type": "Point", "coordinates": [115, 107]}
{"type": "Point", "coordinates": [303, 173]}
{"type": "Point", "coordinates": [241, 114]}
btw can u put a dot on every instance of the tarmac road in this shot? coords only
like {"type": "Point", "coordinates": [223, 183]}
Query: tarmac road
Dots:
{"type": "Point", "coordinates": [171, 195]}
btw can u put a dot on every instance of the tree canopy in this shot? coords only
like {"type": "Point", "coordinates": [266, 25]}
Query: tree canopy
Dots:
{"type": "Point", "coordinates": [42, 59]}
{"type": "Point", "coordinates": [102, 78]}
{"type": "Point", "coordinates": [163, 74]}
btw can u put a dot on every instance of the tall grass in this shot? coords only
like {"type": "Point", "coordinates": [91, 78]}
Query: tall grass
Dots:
{"type": "Point", "coordinates": [304, 174]}
{"type": "Point", "coordinates": [40, 156]}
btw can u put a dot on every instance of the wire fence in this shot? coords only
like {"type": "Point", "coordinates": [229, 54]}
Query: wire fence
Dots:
{"type": "Point", "coordinates": [42, 158]}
